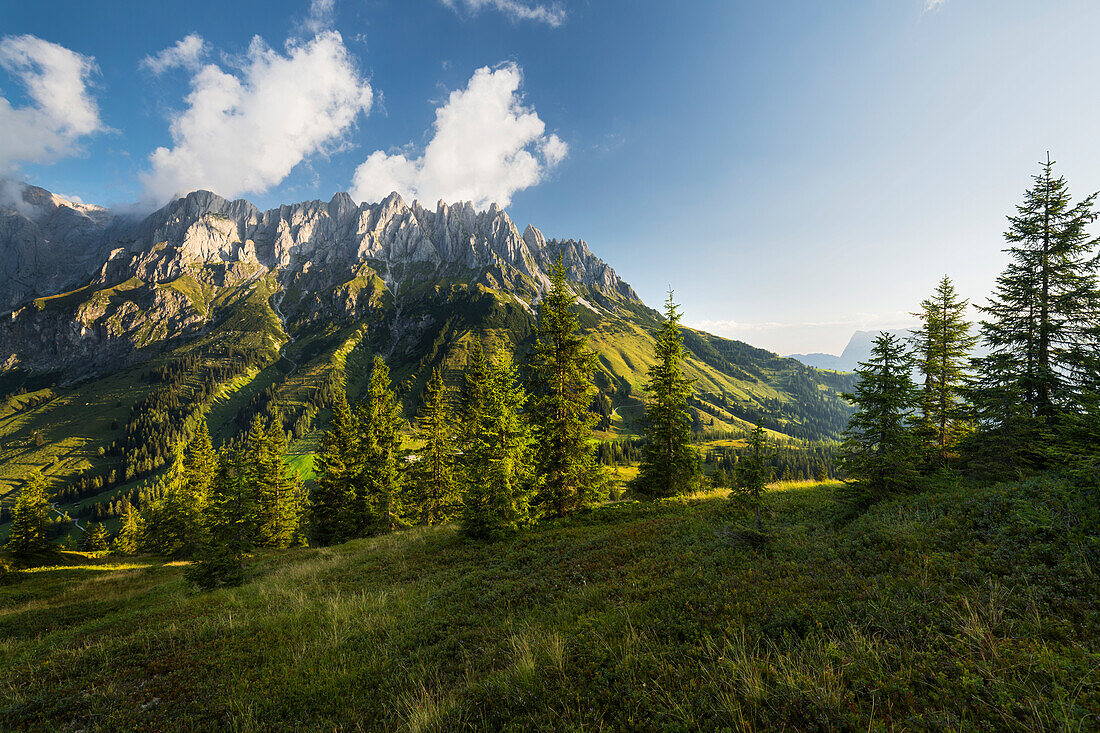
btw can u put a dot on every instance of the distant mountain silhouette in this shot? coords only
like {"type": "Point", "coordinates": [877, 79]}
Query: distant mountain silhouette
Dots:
{"type": "Point", "coordinates": [857, 350]}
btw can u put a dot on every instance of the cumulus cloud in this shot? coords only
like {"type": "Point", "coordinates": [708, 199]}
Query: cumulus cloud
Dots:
{"type": "Point", "coordinates": [186, 53]}
{"type": "Point", "coordinates": [553, 14]}
{"type": "Point", "coordinates": [60, 110]}
{"type": "Point", "coordinates": [244, 132]}
{"type": "Point", "coordinates": [486, 146]}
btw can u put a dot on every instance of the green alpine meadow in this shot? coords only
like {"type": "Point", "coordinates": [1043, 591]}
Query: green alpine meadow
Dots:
{"type": "Point", "coordinates": [374, 463]}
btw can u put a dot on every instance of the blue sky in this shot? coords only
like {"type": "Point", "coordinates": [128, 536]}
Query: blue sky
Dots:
{"type": "Point", "coordinates": [795, 170]}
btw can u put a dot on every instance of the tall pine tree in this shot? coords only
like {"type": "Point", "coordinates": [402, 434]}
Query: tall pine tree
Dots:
{"type": "Point", "coordinates": [280, 503]}
{"type": "Point", "coordinates": [229, 523]}
{"type": "Point", "coordinates": [381, 480]}
{"type": "Point", "coordinates": [200, 461]}
{"type": "Point", "coordinates": [129, 537]}
{"type": "Point", "coordinates": [497, 453]}
{"type": "Point", "coordinates": [878, 454]}
{"type": "Point", "coordinates": [670, 465]}
{"type": "Point", "coordinates": [96, 538]}
{"type": "Point", "coordinates": [1039, 324]}
{"type": "Point", "coordinates": [30, 518]}
{"type": "Point", "coordinates": [434, 478]}
{"type": "Point", "coordinates": [474, 381]}
{"type": "Point", "coordinates": [754, 471]}
{"type": "Point", "coordinates": [333, 501]}
{"type": "Point", "coordinates": [562, 366]}
{"type": "Point", "coordinates": [173, 523]}
{"type": "Point", "coordinates": [942, 345]}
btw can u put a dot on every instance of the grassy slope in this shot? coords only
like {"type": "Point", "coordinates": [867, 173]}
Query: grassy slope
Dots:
{"type": "Point", "coordinates": [958, 609]}
{"type": "Point", "coordinates": [75, 421]}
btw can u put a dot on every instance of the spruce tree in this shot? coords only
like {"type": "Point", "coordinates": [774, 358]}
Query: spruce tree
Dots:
{"type": "Point", "coordinates": [497, 455]}
{"type": "Point", "coordinates": [562, 366]}
{"type": "Point", "coordinates": [434, 473]}
{"type": "Point", "coordinates": [173, 522]}
{"type": "Point", "coordinates": [279, 501]}
{"type": "Point", "coordinates": [30, 518]}
{"type": "Point", "coordinates": [230, 523]}
{"type": "Point", "coordinates": [200, 462]}
{"type": "Point", "coordinates": [754, 471]}
{"type": "Point", "coordinates": [129, 537]}
{"type": "Point", "coordinates": [334, 492]}
{"type": "Point", "coordinates": [379, 449]}
{"type": "Point", "coordinates": [1039, 324]}
{"type": "Point", "coordinates": [96, 539]}
{"type": "Point", "coordinates": [474, 380]}
{"type": "Point", "coordinates": [670, 465]}
{"type": "Point", "coordinates": [878, 454]}
{"type": "Point", "coordinates": [942, 345]}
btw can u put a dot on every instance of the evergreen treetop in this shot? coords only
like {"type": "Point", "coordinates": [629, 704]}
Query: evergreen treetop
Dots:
{"type": "Point", "coordinates": [562, 366]}
{"type": "Point", "coordinates": [380, 460]}
{"type": "Point", "coordinates": [670, 465]}
{"type": "Point", "coordinates": [1046, 300]}
{"type": "Point", "coordinates": [333, 503]}
{"type": "Point", "coordinates": [879, 450]}
{"type": "Point", "coordinates": [497, 453]}
{"type": "Point", "coordinates": [942, 345]}
{"type": "Point", "coordinates": [754, 471]}
{"type": "Point", "coordinates": [30, 518]}
{"type": "Point", "coordinates": [128, 540]}
{"type": "Point", "coordinates": [434, 471]}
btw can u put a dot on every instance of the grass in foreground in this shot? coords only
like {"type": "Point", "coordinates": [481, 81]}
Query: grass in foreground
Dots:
{"type": "Point", "coordinates": [960, 609]}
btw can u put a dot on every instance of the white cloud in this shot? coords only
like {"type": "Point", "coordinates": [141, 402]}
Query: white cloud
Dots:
{"type": "Point", "coordinates": [553, 149]}
{"type": "Point", "coordinates": [553, 14]}
{"type": "Point", "coordinates": [187, 54]}
{"type": "Point", "coordinates": [60, 110]}
{"type": "Point", "coordinates": [486, 146]}
{"type": "Point", "coordinates": [932, 4]}
{"type": "Point", "coordinates": [244, 132]}
{"type": "Point", "coordinates": [11, 197]}
{"type": "Point", "coordinates": [320, 18]}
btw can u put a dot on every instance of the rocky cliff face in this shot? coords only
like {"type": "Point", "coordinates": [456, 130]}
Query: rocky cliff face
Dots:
{"type": "Point", "coordinates": [322, 251]}
{"type": "Point", "coordinates": [52, 243]}
{"type": "Point", "coordinates": [46, 242]}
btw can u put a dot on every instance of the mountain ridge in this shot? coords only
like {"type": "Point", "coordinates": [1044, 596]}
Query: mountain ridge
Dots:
{"type": "Point", "coordinates": [313, 246]}
{"type": "Point", "coordinates": [282, 237]}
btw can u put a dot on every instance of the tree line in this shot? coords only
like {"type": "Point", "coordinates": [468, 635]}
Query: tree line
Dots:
{"type": "Point", "coordinates": [1031, 404]}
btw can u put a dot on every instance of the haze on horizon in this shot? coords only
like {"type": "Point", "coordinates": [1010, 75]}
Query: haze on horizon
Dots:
{"type": "Point", "coordinates": [796, 171]}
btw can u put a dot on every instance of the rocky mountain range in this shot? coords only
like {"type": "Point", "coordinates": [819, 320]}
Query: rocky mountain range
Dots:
{"type": "Point", "coordinates": [49, 246]}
